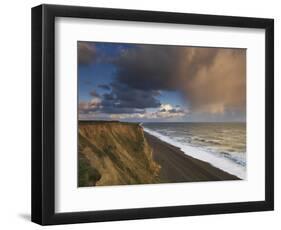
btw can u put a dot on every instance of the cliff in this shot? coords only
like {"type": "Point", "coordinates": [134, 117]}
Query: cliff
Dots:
{"type": "Point", "coordinates": [114, 153]}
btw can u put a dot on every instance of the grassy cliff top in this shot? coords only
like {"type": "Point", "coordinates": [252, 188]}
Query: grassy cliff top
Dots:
{"type": "Point", "coordinates": [88, 122]}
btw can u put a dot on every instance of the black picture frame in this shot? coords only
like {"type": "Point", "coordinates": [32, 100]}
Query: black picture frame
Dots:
{"type": "Point", "coordinates": [43, 110]}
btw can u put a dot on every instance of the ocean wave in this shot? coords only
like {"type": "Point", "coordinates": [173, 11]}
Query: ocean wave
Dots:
{"type": "Point", "coordinates": [225, 161]}
{"type": "Point", "coordinates": [216, 142]}
{"type": "Point", "coordinates": [236, 157]}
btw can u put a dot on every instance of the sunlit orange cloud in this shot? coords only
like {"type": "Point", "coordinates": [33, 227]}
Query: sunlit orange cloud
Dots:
{"type": "Point", "coordinates": [215, 86]}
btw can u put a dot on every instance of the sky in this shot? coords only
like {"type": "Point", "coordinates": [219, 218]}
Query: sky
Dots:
{"type": "Point", "coordinates": [160, 83]}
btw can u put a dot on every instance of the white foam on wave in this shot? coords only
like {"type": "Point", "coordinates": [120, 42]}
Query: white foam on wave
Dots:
{"type": "Point", "coordinates": [217, 161]}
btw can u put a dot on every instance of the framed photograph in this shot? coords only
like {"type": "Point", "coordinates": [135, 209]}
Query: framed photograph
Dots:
{"type": "Point", "coordinates": [141, 114]}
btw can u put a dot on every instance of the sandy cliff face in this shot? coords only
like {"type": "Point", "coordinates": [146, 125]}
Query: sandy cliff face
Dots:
{"type": "Point", "coordinates": [114, 153]}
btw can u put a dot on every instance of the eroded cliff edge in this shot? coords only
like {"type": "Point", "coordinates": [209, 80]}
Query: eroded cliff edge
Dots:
{"type": "Point", "coordinates": [114, 153]}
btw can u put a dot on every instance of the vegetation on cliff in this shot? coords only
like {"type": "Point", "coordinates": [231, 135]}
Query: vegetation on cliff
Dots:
{"type": "Point", "coordinates": [114, 153]}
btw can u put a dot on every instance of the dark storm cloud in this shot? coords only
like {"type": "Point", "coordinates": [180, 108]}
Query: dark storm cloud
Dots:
{"type": "Point", "coordinates": [108, 97]}
{"type": "Point", "coordinates": [123, 98]}
{"type": "Point", "coordinates": [118, 110]}
{"type": "Point", "coordinates": [94, 93]}
{"type": "Point", "coordinates": [149, 67]}
{"type": "Point", "coordinates": [212, 79]}
{"type": "Point", "coordinates": [86, 53]}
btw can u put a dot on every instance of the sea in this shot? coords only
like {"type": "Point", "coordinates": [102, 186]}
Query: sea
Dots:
{"type": "Point", "coordinates": [223, 145]}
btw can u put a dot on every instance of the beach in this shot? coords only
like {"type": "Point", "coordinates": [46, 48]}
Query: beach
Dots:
{"type": "Point", "coordinates": [176, 166]}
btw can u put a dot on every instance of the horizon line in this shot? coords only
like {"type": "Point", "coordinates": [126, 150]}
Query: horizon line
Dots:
{"type": "Point", "coordinates": [164, 121]}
